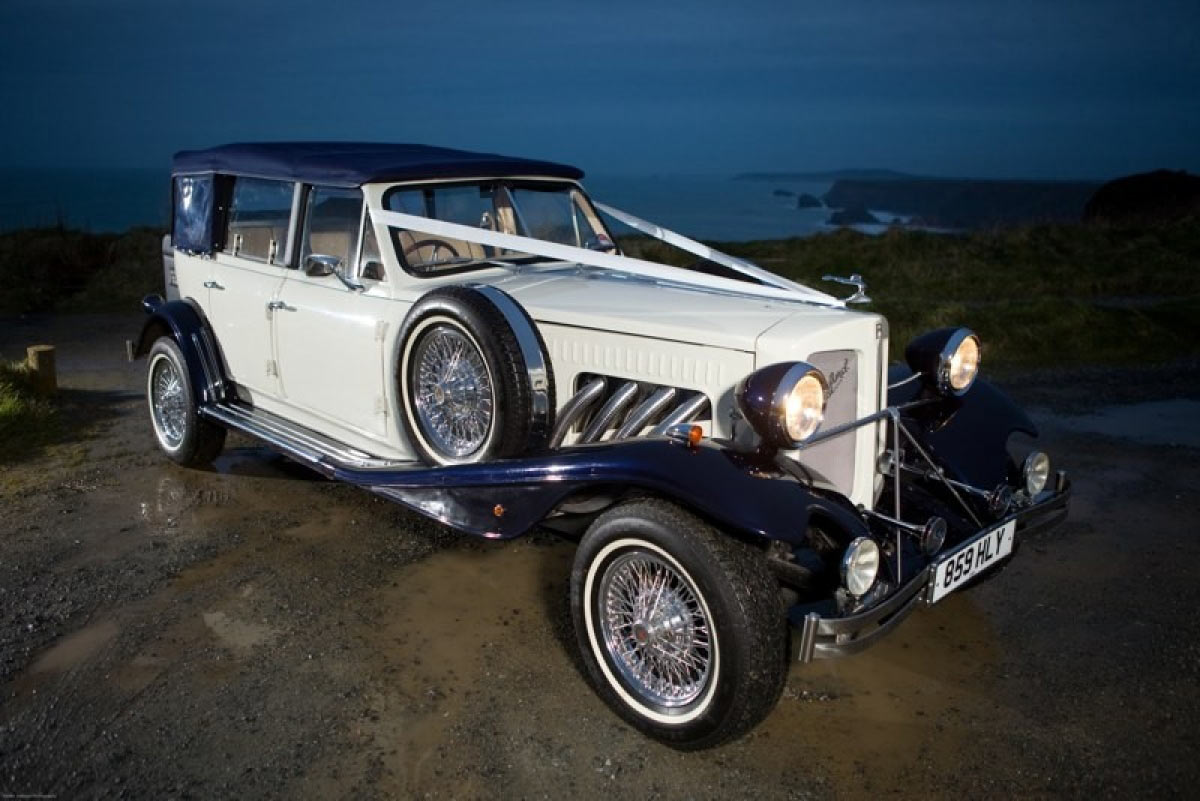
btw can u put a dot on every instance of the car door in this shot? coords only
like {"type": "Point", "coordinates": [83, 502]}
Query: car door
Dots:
{"type": "Point", "coordinates": [329, 337]}
{"type": "Point", "coordinates": [244, 281]}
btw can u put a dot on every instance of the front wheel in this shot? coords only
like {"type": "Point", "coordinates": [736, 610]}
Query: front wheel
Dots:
{"type": "Point", "coordinates": [181, 433]}
{"type": "Point", "coordinates": [680, 625]}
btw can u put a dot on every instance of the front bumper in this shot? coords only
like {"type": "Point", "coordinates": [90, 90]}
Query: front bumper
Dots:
{"type": "Point", "coordinates": [829, 637]}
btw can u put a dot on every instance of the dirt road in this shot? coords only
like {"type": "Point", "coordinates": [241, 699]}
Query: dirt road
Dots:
{"type": "Point", "coordinates": [254, 631]}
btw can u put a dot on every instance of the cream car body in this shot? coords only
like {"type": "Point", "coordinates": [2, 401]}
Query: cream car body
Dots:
{"type": "Point", "coordinates": [314, 350]}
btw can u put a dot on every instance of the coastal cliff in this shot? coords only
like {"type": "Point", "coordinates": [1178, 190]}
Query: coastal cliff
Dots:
{"type": "Point", "coordinates": [966, 203]}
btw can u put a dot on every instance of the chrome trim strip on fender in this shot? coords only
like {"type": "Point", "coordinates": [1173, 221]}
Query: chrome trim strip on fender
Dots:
{"type": "Point", "coordinates": [531, 350]}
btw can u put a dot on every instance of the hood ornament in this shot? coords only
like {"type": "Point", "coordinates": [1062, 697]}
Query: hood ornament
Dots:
{"type": "Point", "coordinates": [855, 280]}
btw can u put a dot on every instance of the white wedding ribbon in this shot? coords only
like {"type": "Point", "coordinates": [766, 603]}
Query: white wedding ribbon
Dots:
{"type": "Point", "coordinates": [779, 288]}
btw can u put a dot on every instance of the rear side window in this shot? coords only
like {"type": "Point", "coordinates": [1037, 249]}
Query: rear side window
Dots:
{"type": "Point", "coordinates": [258, 219]}
{"type": "Point", "coordinates": [193, 217]}
{"type": "Point", "coordinates": [331, 226]}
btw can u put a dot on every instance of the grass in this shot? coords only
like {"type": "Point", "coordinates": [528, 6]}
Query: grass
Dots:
{"type": "Point", "coordinates": [26, 420]}
{"type": "Point", "coordinates": [61, 270]}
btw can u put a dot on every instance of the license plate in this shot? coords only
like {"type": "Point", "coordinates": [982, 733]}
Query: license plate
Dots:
{"type": "Point", "coordinates": [970, 559]}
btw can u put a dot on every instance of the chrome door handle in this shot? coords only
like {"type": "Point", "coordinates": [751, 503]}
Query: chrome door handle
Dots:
{"type": "Point", "coordinates": [212, 285]}
{"type": "Point", "coordinates": [279, 305]}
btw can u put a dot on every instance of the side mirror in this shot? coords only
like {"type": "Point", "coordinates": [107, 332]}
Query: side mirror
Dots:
{"type": "Point", "coordinates": [318, 266]}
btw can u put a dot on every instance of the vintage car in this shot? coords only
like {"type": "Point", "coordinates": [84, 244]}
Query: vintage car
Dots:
{"type": "Point", "coordinates": [748, 481]}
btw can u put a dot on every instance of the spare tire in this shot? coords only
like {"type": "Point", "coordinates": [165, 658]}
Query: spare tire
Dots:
{"type": "Point", "coordinates": [474, 379]}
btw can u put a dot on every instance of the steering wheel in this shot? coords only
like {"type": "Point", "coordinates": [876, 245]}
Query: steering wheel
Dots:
{"type": "Point", "coordinates": [437, 245]}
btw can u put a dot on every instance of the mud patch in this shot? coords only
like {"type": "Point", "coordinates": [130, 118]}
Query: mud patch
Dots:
{"type": "Point", "coordinates": [74, 649]}
{"type": "Point", "coordinates": [237, 635]}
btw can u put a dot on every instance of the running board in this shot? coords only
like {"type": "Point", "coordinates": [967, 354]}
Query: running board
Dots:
{"type": "Point", "coordinates": [318, 451]}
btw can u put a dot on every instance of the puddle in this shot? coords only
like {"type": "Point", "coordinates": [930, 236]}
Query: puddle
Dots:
{"type": "Point", "coordinates": [238, 635]}
{"type": "Point", "coordinates": [76, 648]}
{"type": "Point", "coordinates": [1169, 422]}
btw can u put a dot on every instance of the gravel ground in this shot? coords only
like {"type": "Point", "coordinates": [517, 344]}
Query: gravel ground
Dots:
{"type": "Point", "coordinates": [254, 631]}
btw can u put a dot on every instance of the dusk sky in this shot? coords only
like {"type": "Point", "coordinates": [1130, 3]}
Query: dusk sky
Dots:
{"type": "Point", "coordinates": [1093, 89]}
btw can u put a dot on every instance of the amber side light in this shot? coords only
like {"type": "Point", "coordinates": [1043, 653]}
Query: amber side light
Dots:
{"type": "Point", "coordinates": [695, 434]}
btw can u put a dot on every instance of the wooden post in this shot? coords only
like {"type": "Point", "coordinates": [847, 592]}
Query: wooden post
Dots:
{"type": "Point", "coordinates": [41, 367]}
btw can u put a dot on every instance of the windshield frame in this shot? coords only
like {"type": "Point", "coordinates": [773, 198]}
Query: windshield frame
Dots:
{"type": "Point", "coordinates": [506, 184]}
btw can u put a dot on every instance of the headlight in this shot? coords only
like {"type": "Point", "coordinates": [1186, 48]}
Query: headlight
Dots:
{"type": "Point", "coordinates": [948, 358]}
{"type": "Point", "coordinates": [860, 566]}
{"type": "Point", "coordinates": [785, 402]}
{"type": "Point", "coordinates": [1035, 472]}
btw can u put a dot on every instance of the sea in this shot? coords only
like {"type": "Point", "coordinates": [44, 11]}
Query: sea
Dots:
{"type": "Point", "coordinates": [710, 207]}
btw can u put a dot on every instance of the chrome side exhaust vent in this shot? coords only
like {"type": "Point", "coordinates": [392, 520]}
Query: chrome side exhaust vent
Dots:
{"type": "Point", "coordinates": [576, 408]}
{"type": "Point", "coordinates": [629, 409]}
{"type": "Point", "coordinates": [616, 404]}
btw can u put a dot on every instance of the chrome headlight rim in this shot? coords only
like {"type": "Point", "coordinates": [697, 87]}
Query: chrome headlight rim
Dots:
{"type": "Point", "coordinates": [787, 387]}
{"type": "Point", "coordinates": [1035, 472]}
{"type": "Point", "coordinates": [854, 583]}
{"type": "Point", "coordinates": [763, 396]}
{"type": "Point", "coordinates": [946, 360]}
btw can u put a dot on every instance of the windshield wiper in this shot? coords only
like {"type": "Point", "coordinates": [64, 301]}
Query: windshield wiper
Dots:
{"type": "Point", "coordinates": [442, 262]}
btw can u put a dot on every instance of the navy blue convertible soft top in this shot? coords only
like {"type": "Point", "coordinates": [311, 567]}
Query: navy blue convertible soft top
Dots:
{"type": "Point", "coordinates": [357, 163]}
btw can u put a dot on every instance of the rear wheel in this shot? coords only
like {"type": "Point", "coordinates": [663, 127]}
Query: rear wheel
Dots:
{"type": "Point", "coordinates": [680, 625]}
{"type": "Point", "coordinates": [178, 429]}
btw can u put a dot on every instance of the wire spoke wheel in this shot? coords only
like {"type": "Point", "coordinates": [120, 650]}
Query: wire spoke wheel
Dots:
{"type": "Point", "coordinates": [655, 630]}
{"type": "Point", "coordinates": [168, 402]}
{"type": "Point", "coordinates": [454, 394]}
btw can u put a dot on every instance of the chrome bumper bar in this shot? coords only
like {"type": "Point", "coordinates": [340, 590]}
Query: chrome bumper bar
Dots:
{"type": "Point", "coordinates": [829, 637]}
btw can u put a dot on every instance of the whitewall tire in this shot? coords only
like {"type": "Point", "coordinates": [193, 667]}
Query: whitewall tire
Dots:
{"type": "Point", "coordinates": [680, 625]}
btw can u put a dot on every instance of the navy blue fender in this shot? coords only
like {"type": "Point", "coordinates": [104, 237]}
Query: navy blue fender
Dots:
{"type": "Point", "coordinates": [968, 434]}
{"type": "Point", "coordinates": [183, 321]}
{"type": "Point", "coordinates": [506, 498]}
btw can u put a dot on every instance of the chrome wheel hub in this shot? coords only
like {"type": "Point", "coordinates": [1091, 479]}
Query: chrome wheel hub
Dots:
{"type": "Point", "coordinates": [453, 392]}
{"type": "Point", "coordinates": [655, 630]}
{"type": "Point", "coordinates": [167, 403]}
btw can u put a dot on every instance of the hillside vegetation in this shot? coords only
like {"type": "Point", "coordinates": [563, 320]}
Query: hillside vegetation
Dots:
{"type": "Point", "coordinates": [1037, 295]}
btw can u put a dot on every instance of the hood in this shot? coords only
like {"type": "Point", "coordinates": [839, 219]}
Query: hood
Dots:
{"type": "Point", "coordinates": [607, 301]}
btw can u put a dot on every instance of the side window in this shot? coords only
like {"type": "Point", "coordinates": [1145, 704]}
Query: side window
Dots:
{"type": "Point", "coordinates": [258, 219]}
{"type": "Point", "coordinates": [192, 229]}
{"type": "Point", "coordinates": [331, 224]}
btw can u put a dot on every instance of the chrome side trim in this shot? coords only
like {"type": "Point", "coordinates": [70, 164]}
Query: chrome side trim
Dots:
{"type": "Point", "coordinates": [575, 408]}
{"type": "Point", "coordinates": [644, 414]}
{"type": "Point", "coordinates": [609, 412]}
{"type": "Point", "coordinates": [303, 444]}
{"type": "Point", "coordinates": [683, 413]}
{"type": "Point", "coordinates": [210, 351]}
{"type": "Point", "coordinates": [536, 364]}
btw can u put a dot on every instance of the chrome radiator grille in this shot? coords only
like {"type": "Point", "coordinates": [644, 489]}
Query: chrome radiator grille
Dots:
{"type": "Point", "coordinates": [834, 458]}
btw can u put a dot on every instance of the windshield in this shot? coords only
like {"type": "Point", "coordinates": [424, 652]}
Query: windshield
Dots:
{"type": "Point", "coordinates": [551, 211]}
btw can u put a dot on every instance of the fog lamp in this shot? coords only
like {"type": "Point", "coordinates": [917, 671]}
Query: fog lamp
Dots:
{"type": "Point", "coordinates": [860, 566]}
{"type": "Point", "coordinates": [1035, 472]}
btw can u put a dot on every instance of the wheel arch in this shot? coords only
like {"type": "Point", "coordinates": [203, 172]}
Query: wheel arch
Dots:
{"type": "Point", "coordinates": [184, 322]}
